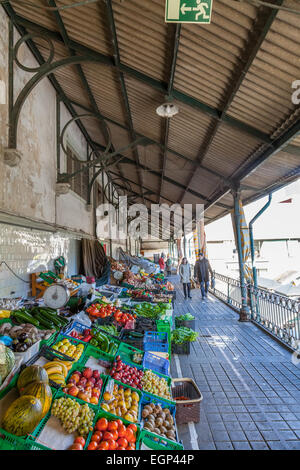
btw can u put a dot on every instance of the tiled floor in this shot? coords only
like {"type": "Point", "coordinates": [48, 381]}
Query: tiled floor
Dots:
{"type": "Point", "coordinates": [250, 387]}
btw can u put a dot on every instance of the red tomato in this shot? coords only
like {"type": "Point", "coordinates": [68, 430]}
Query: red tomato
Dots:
{"type": "Point", "coordinates": [121, 448]}
{"type": "Point", "coordinates": [107, 435]}
{"type": "Point", "coordinates": [122, 431]}
{"type": "Point", "coordinates": [95, 437]}
{"type": "Point", "coordinates": [101, 424]}
{"type": "Point", "coordinates": [76, 447]}
{"type": "Point", "coordinates": [92, 445]}
{"type": "Point", "coordinates": [115, 435]}
{"type": "Point", "coordinates": [80, 440]}
{"type": "Point", "coordinates": [122, 442]}
{"type": "Point", "coordinates": [120, 422]}
{"type": "Point", "coordinates": [130, 435]}
{"type": "Point", "coordinates": [104, 445]}
{"type": "Point", "coordinates": [131, 446]}
{"type": "Point", "coordinates": [112, 426]}
{"type": "Point", "coordinates": [133, 427]}
{"type": "Point", "coordinates": [112, 444]}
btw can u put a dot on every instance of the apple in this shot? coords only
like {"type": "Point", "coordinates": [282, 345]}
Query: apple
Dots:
{"type": "Point", "coordinates": [74, 391]}
{"type": "Point", "coordinates": [94, 400]}
{"type": "Point", "coordinates": [87, 373]}
{"type": "Point", "coordinates": [83, 381]}
{"type": "Point", "coordinates": [96, 374]}
{"type": "Point", "coordinates": [83, 396]}
{"type": "Point", "coordinates": [90, 383]}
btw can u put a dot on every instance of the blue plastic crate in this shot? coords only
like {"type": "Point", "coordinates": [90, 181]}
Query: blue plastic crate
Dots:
{"type": "Point", "coordinates": [156, 363]}
{"type": "Point", "coordinates": [75, 325]}
{"type": "Point", "coordinates": [157, 337]}
{"type": "Point", "coordinates": [156, 341]}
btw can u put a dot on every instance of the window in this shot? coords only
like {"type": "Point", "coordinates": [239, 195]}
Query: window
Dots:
{"type": "Point", "coordinates": [79, 183]}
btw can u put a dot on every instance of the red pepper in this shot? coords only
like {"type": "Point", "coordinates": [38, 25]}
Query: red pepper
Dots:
{"type": "Point", "coordinates": [87, 339]}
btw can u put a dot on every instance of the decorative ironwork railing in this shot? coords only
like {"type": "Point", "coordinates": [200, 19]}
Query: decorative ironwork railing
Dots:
{"type": "Point", "coordinates": [277, 313]}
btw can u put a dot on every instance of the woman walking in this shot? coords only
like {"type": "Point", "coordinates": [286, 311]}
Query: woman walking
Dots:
{"type": "Point", "coordinates": [185, 277]}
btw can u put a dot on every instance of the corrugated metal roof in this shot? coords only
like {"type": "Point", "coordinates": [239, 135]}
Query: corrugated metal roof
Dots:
{"type": "Point", "coordinates": [232, 83]}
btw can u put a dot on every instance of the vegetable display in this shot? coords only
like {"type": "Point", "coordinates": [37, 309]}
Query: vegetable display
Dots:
{"type": "Point", "coordinates": [40, 317]}
{"type": "Point", "coordinates": [183, 334]}
{"type": "Point", "coordinates": [113, 435]}
{"type": "Point", "coordinates": [148, 310]}
{"type": "Point", "coordinates": [104, 342]}
{"type": "Point", "coordinates": [24, 335]}
{"type": "Point", "coordinates": [185, 317]}
{"type": "Point", "coordinates": [159, 420]}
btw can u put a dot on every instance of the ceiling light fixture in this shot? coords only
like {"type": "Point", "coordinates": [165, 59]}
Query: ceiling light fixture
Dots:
{"type": "Point", "coordinates": [167, 110]}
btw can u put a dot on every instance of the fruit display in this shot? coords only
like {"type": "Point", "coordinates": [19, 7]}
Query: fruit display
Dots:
{"type": "Point", "coordinates": [58, 370]}
{"type": "Point", "coordinates": [78, 444]}
{"type": "Point", "coordinates": [121, 401]}
{"type": "Point", "coordinates": [113, 435]}
{"type": "Point", "coordinates": [156, 385]}
{"type": "Point", "coordinates": [73, 416]}
{"type": "Point", "coordinates": [7, 362]}
{"type": "Point", "coordinates": [41, 391]}
{"type": "Point", "coordinates": [69, 349]}
{"type": "Point", "coordinates": [159, 420]}
{"type": "Point", "coordinates": [86, 385]}
{"type": "Point", "coordinates": [24, 335]}
{"type": "Point", "coordinates": [139, 294]}
{"type": "Point", "coordinates": [137, 358]}
{"type": "Point", "coordinates": [127, 374]}
{"type": "Point", "coordinates": [31, 374]}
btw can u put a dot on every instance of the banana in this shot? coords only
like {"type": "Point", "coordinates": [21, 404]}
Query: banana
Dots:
{"type": "Point", "coordinates": [54, 370]}
{"type": "Point", "coordinates": [58, 378]}
{"type": "Point", "coordinates": [52, 364]}
{"type": "Point", "coordinates": [68, 364]}
{"type": "Point", "coordinates": [64, 369]}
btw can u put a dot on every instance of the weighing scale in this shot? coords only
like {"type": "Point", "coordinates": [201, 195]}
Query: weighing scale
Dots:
{"type": "Point", "coordinates": [56, 296]}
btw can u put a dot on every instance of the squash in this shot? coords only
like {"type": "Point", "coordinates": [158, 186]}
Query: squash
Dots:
{"type": "Point", "coordinates": [41, 391]}
{"type": "Point", "coordinates": [7, 362]}
{"type": "Point", "coordinates": [23, 415]}
{"type": "Point", "coordinates": [31, 374]}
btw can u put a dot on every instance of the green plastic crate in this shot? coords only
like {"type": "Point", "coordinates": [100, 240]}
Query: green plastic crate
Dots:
{"type": "Point", "coordinates": [80, 368]}
{"type": "Point", "coordinates": [155, 442]}
{"type": "Point", "coordinates": [10, 442]}
{"type": "Point", "coordinates": [126, 352]}
{"type": "Point", "coordinates": [165, 327]}
{"type": "Point", "coordinates": [121, 384]}
{"type": "Point", "coordinates": [169, 382]}
{"type": "Point", "coordinates": [97, 353]}
{"type": "Point", "coordinates": [110, 417]}
{"type": "Point", "coordinates": [74, 341]}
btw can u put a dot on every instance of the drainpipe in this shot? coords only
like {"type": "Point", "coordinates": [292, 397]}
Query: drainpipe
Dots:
{"type": "Point", "coordinates": [244, 311]}
{"type": "Point", "coordinates": [251, 237]}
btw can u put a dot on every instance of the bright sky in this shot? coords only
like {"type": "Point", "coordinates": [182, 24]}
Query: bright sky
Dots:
{"type": "Point", "coordinates": [278, 221]}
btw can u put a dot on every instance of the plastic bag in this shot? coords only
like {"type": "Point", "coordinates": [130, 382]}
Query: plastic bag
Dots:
{"type": "Point", "coordinates": [82, 317]}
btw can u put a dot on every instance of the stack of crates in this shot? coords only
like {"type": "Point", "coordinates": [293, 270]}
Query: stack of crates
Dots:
{"type": "Point", "coordinates": [165, 326]}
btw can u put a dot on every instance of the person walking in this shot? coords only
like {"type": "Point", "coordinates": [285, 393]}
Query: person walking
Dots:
{"type": "Point", "coordinates": [169, 265]}
{"type": "Point", "coordinates": [161, 263]}
{"type": "Point", "coordinates": [185, 277]}
{"type": "Point", "coordinates": [201, 274]}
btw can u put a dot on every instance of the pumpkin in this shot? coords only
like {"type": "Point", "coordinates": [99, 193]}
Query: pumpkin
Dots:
{"type": "Point", "coordinates": [41, 391]}
{"type": "Point", "coordinates": [7, 361]}
{"type": "Point", "coordinates": [31, 374]}
{"type": "Point", "coordinates": [23, 415]}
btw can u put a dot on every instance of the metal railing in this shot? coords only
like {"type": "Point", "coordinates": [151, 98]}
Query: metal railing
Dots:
{"type": "Point", "coordinates": [277, 313]}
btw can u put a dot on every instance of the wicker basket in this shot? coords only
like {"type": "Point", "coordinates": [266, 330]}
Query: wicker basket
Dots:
{"type": "Point", "coordinates": [187, 410]}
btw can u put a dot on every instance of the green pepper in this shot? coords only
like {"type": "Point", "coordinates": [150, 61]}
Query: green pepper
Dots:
{"type": "Point", "coordinates": [94, 342]}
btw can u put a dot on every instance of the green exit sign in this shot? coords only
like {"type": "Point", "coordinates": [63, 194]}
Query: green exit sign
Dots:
{"type": "Point", "coordinates": [188, 11]}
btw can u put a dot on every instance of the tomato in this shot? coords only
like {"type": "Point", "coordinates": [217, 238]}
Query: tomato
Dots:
{"type": "Point", "coordinates": [98, 433]}
{"type": "Point", "coordinates": [112, 426]}
{"type": "Point", "coordinates": [107, 435]}
{"type": "Point", "coordinates": [130, 435]}
{"type": "Point", "coordinates": [112, 444]}
{"type": "Point", "coordinates": [92, 445]}
{"type": "Point", "coordinates": [76, 447]}
{"type": "Point", "coordinates": [122, 442]}
{"type": "Point", "coordinates": [102, 315]}
{"type": "Point", "coordinates": [121, 448]}
{"type": "Point", "coordinates": [122, 431]}
{"type": "Point", "coordinates": [95, 437]}
{"type": "Point", "coordinates": [120, 422]}
{"type": "Point", "coordinates": [104, 445]}
{"type": "Point", "coordinates": [80, 440]}
{"type": "Point", "coordinates": [133, 427]}
{"type": "Point", "coordinates": [115, 435]}
{"type": "Point", "coordinates": [101, 424]}
{"type": "Point", "coordinates": [131, 446]}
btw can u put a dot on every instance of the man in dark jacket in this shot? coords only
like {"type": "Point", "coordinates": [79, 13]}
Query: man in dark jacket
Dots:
{"type": "Point", "coordinates": [201, 273]}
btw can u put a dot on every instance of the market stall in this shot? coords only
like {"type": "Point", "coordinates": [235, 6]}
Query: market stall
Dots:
{"type": "Point", "coordinates": [92, 378]}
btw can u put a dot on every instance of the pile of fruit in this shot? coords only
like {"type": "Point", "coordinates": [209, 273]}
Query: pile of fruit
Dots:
{"type": "Point", "coordinates": [156, 385]}
{"type": "Point", "coordinates": [127, 374]}
{"type": "Point", "coordinates": [113, 435]}
{"type": "Point", "coordinates": [57, 370]}
{"type": "Point", "coordinates": [159, 420]}
{"type": "Point", "coordinates": [69, 349]}
{"type": "Point", "coordinates": [122, 402]}
{"type": "Point", "coordinates": [137, 358]}
{"type": "Point", "coordinates": [85, 385]}
{"type": "Point", "coordinates": [73, 416]}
